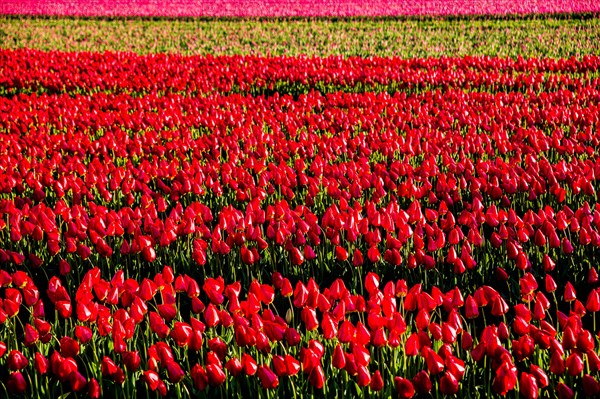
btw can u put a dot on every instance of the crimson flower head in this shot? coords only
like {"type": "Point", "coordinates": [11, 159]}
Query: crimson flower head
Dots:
{"type": "Point", "coordinates": [267, 377]}
{"type": "Point", "coordinates": [83, 334]}
{"type": "Point", "coordinates": [376, 381]}
{"type": "Point", "coordinates": [41, 363]}
{"type": "Point", "coordinates": [131, 360]}
{"type": "Point", "coordinates": [215, 375]}
{"type": "Point", "coordinates": [569, 295]}
{"type": "Point", "coordinates": [16, 383]}
{"type": "Point", "coordinates": [16, 360]}
{"type": "Point", "coordinates": [174, 372]}
{"type": "Point", "coordinates": [448, 384]}
{"type": "Point", "coordinates": [422, 382]}
{"type": "Point", "coordinates": [528, 387]}
{"type": "Point", "coordinates": [404, 387]}
{"type": "Point", "coordinates": [69, 347]}
{"type": "Point", "coordinates": [93, 389]}
{"type": "Point", "coordinates": [317, 377]}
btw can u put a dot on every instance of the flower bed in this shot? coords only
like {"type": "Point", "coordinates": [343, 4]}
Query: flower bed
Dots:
{"type": "Point", "coordinates": [283, 226]}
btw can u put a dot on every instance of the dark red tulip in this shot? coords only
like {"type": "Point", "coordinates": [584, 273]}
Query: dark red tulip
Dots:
{"type": "Point", "coordinates": [376, 381]}
{"type": "Point", "coordinates": [93, 389]}
{"type": "Point", "coordinates": [422, 382]}
{"type": "Point", "coordinates": [215, 374]}
{"type": "Point", "coordinates": [317, 377]}
{"type": "Point", "coordinates": [574, 364]}
{"type": "Point", "coordinates": [41, 363]}
{"type": "Point", "coordinates": [267, 377]}
{"type": "Point", "coordinates": [505, 379]}
{"type": "Point", "coordinates": [16, 383]}
{"type": "Point", "coordinates": [404, 387]}
{"type": "Point", "coordinates": [564, 392]}
{"type": "Point", "coordinates": [131, 360]}
{"type": "Point", "coordinates": [448, 384]}
{"type": "Point", "coordinates": [175, 372]}
{"type": "Point", "coordinates": [591, 387]}
{"type": "Point", "coordinates": [16, 360]}
{"type": "Point", "coordinates": [540, 376]}
{"type": "Point", "coordinates": [528, 387]}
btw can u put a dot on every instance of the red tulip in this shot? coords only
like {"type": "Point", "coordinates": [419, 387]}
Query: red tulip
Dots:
{"type": "Point", "coordinates": [434, 362]}
{"type": "Point", "coordinates": [175, 372]}
{"type": "Point", "coordinates": [31, 335]}
{"type": "Point", "coordinates": [317, 377]}
{"type": "Point", "coordinates": [574, 364]}
{"type": "Point", "coordinates": [448, 384]}
{"type": "Point", "coordinates": [77, 380]}
{"type": "Point", "coordinates": [215, 375]}
{"type": "Point", "coordinates": [592, 276]}
{"type": "Point", "coordinates": [249, 364]}
{"type": "Point", "coordinates": [376, 381]}
{"type": "Point", "coordinates": [471, 308]}
{"type": "Point", "coordinates": [69, 347]}
{"type": "Point", "coordinates": [505, 379]}
{"type": "Point", "coordinates": [41, 364]}
{"type": "Point", "coordinates": [341, 254]}
{"type": "Point", "coordinates": [16, 383]}
{"type": "Point", "coordinates": [564, 392]}
{"type": "Point", "coordinates": [422, 382]}
{"type": "Point", "coordinates": [152, 379]}
{"type": "Point", "coordinates": [267, 378]}
{"type": "Point", "coordinates": [364, 376]}
{"type": "Point", "coordinates": [557, 364]}
{"type": "Point", "coordinates": [528, 387]}
{"type": "Point", "coordinates": [593, 301]}
{"type": "Point", "coordinates": [182, 332]}
{"type": "Point", "coordinates": [404, 388]}
{"type": "Point", "coordinates": [540, 376]}
{"type": "Point", "coordinates": [93, 389]}
{"type": "Point", "coordinates": [591, 387]}
{"type": "Point", "coordinates": [16, 360]}
{"type": "Point", "coordinates": [339, 358]}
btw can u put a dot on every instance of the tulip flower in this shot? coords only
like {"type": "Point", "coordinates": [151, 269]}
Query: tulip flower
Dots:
{"type": "Point", "coordinates": [16, 360]}
{"type": "Point", "coordinates": [16, 383]}
{"type": "Point", "coordinates": [528, 387]}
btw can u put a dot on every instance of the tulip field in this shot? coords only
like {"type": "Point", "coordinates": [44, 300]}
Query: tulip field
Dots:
{"type": "Point", "coordinates": [193, 223]}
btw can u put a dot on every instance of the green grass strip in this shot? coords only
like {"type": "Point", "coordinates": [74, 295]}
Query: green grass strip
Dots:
{"type": "Point", "coordinates": [538, 36]}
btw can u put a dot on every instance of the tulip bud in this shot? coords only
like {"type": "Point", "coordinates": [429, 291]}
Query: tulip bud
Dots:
{"type": "Point", "coordinates": [448, 384]}
{"type": "Point", "coordinates": [422, 382]}
{"type": "Point", "coordinates": [574, 364]}
{"type": "Point", "coordinates": [16, 361]}
{"type": "Point", "coordinates": [41, 364]}
{"type": "Point", "coordinates": [93, 389]}
{"type": "Point", "coordinates": [16, 383]}
{"type": "Point", "coordinates": [376, 381]}
{"type": "Point", "coordinates": [528, 387]}
{"type": "Point", "coordinates": [590, 386]}
{"type": "Point", "coordinates": [564, 392]}
{"type": "Point", "coordinates": [317, 377]}
{"type": "Point", "coordinates": [131, 360]}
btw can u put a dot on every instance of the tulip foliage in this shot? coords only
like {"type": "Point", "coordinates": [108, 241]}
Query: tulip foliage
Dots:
{"type": "Point", "coordinates": [213, 226]}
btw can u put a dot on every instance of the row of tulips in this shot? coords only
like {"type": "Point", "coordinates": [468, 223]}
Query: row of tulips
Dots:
{"type": "Point", "coordinates": [28, 70]}
{"type": "Point", "coordinates": [176, 334]}
{"type": "Point", "coordinates": [278, 237]}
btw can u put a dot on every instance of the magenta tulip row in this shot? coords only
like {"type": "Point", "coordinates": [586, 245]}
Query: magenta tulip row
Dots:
{"type": "Point", "coordinates": [287, 8]}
